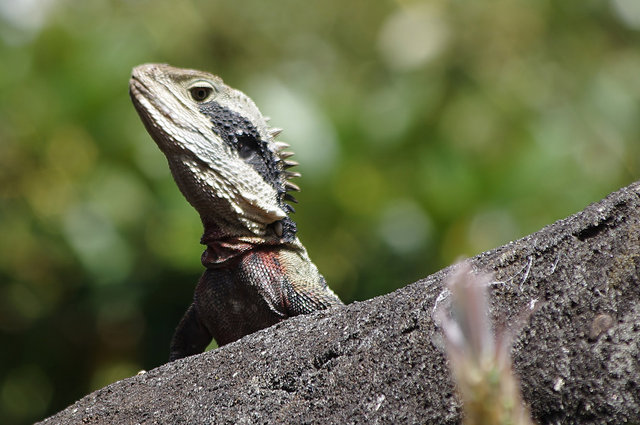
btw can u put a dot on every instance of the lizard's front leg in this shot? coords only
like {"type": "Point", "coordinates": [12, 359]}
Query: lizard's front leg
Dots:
{"type": "Point", "coordinates": [191, 336]}
{"type": "Point", "coordinates": [230, 303]}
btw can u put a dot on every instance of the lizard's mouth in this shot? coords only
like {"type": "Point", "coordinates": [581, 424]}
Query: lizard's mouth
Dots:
{"type": "Point", "coordinates": [137, 87]}
{"type": "Point", "coordinates": [150, 109]}
{"type": "Point", "coordinates": [141, 96]}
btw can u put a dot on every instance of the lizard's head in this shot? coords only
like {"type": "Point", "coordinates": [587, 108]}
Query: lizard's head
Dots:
{"type": "Point", "coordinates": [220, 149]}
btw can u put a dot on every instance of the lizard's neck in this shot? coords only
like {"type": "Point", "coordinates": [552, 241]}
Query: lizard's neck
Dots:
{"type": "Point", "coordinates": [224, 246]}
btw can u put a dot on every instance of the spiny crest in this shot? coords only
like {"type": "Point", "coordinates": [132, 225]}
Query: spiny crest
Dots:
{"type": "Point", "coordinates": [283, 156]}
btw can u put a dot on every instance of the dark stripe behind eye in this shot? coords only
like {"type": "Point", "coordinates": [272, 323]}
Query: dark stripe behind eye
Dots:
{"type": "Point", "coordinates": [239, 134]}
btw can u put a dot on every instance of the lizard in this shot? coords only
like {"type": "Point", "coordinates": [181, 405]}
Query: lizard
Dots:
{"type": "Point", "coordinates": [226, 161]}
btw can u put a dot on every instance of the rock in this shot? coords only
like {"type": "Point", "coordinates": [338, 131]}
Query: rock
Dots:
{"type": "Point", "coordinates": [382, 361]}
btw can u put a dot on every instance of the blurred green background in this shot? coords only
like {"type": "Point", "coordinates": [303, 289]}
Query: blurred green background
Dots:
{"type": "Point", "coordinates": [425, 131]}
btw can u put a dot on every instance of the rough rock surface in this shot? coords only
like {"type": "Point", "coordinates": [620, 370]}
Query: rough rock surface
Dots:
{"type": "Point", "coordinates": [381, 361]}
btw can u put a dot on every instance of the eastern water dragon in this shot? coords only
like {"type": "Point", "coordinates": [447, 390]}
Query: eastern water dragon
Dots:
{"type": "Point", "coordinates": [229, 166]}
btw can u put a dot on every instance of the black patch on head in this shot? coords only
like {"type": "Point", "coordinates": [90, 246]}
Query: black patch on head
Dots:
{"type": "Point", "coordinates": [241, 135]}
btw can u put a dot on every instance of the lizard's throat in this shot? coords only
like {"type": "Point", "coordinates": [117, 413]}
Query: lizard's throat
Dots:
{"type": "Point", "coordinates": [221, 253]}
{"type": "Point", "coordinates": [224, 246]}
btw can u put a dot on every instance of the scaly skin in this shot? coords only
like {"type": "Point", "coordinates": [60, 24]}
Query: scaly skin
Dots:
{"type": "Point", "coordinates": [227, 164]}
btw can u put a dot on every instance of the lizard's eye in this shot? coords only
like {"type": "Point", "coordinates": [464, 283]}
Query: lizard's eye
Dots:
{"type": "Point", "coordinates": [200, 93]}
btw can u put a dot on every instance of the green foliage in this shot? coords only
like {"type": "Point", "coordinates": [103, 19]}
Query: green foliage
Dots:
{"type": "Point", "coordinates": [425, 131]}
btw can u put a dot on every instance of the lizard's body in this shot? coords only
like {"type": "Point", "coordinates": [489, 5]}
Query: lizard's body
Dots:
{"type": "Point", "coordinates": [226, 162]}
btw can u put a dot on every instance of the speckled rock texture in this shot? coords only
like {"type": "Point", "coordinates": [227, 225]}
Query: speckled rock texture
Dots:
{"type": "Point", "coordinates": [381, 361]}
